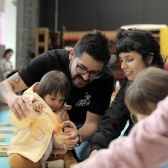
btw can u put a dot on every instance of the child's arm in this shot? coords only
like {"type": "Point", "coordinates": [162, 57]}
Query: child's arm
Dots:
{"type": "Point", "coordinates": [37, 105]}
{"type": "Point", "coordinates": [24, 123]}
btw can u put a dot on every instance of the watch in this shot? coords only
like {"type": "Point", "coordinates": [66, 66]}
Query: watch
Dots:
{"type": "Point", "coordinates": [80, 140]}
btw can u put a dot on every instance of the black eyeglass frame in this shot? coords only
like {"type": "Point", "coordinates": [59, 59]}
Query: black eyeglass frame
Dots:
{"type": "Point", "coordinates": [86, 71]}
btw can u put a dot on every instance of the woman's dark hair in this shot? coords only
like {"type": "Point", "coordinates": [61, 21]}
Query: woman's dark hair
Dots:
{"type": "Point", "coordinates": [54, 82]}
{"type": "Point", "coordinates": [150, 85]}
{"type": "Point", "coordinates": [140, 41]}
{"type": "Point", "coordinates": [6, 52]}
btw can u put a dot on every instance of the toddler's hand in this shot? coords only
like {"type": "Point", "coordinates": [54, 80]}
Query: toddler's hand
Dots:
{"type": "Point", "coordinates": [37, 106]}
{"type": "Point", "coordinates": [33, 110]}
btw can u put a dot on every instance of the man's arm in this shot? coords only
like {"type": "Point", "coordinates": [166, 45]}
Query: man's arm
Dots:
{"type": "Point", "coordinates": [90, 126]}
{"type": "Point", "coordinates": [16, 103]}
{"type": "Point", "coordinates": [86, 131]}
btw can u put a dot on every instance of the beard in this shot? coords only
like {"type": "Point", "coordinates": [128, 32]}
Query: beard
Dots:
{"type": "Point", "coordinates": [77, 84]}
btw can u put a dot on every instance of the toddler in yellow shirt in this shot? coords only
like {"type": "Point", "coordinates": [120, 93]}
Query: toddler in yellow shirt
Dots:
{"type": "Point", "coordinates": [34, 138]}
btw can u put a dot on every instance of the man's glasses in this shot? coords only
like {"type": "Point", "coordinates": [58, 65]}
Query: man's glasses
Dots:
{"type": "Point", "coordinates": [92, 75]}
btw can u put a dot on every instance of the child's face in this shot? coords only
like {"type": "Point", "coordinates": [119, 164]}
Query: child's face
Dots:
{"type": "Point", "coordinates": [54, 102]}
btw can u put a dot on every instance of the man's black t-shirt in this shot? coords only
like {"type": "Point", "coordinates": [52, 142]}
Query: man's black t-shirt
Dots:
{"type": "Point", "coordinates": [94, 97]}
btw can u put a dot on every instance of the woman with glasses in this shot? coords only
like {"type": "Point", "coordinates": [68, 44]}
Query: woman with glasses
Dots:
{"type": "Point", "coordinates": [137, 50]}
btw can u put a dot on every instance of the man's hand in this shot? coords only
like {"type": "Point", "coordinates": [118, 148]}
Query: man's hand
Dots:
{"type": "Point", "coordinates": [68, 124]}
{"type": "Point", "coordinates": [18, 105]}
{"type": "Point", "coordinates": [70, 130]}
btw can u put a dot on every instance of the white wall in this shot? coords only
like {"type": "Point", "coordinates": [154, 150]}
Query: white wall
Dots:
{"type": "Point", "coordinates": [10, 28]}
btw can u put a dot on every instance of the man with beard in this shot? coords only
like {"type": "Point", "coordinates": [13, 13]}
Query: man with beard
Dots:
{"type": "Point", "coordinates": [91, 84]}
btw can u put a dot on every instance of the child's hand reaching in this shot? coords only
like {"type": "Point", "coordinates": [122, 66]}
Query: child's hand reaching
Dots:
{"type": "Point", "coordinates": [34, 109]}
{"type": "Point", "coordinates": [37, 106]}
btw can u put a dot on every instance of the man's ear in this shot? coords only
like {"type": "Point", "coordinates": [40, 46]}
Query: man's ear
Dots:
{"type": "Point", "coordinates": [71, 54]}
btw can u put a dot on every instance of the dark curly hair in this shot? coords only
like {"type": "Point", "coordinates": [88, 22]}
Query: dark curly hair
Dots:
{"type": "Point", "coordinates": [96, 44]}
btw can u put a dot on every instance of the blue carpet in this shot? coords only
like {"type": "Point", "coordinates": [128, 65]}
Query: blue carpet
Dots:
{"type": "Point", "coordinates": [8, 136]}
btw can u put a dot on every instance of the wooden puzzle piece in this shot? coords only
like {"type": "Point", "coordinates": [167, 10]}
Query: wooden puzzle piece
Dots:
{"type": "Point", "coordinates": [6, 130]}
{"type": "Point", "coordinates": [10, 130]}
{"type": "Point", "coordinates": [2, 138]}
{"type": "Point", "coordinates": [3, 145]}
{"type": "Point", "coordinates": [3, 150]}
{"type": "Point", "coordinates": [6, 125]}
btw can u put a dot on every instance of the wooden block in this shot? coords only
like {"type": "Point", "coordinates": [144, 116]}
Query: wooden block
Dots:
{"type": "Point", "coordinates": [6, 130]}
{"type": "Point", "coordinates": [3, 150]}
{"type": "Point", "coordinates": [6, 125]}
{"type": "Point", "coordinates": [4, 145]}
{"type": "Point", "coordinates": [3, 153]}
{"type": "Point", "coordinates": [2, 138]}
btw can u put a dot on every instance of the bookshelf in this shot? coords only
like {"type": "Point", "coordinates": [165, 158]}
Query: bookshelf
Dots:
{"type": "Point", "coordinates": [46, 40]}
{"type": "Point", "coordinates": [69, 38]}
